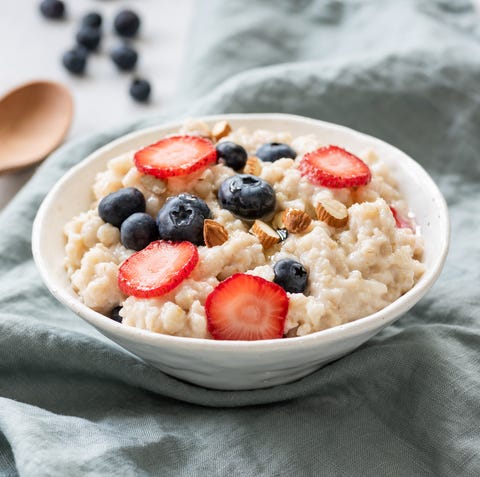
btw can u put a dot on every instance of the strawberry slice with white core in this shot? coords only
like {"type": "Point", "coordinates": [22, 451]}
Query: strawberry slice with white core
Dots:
{"type": "Point", "coordinates": [157, 269]}
{"type": "Point", "coordinates": [401, 222]}
{"type": "Point", "coordinates": [246, 307]}
{"type": "Point", "coordinates": [175, 156]}
{"type": "Point", "coordinates": [334, 167]}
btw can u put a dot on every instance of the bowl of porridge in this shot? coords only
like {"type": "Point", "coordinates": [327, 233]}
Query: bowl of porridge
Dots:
{"type": "Point", "coordinates": [242, 251]}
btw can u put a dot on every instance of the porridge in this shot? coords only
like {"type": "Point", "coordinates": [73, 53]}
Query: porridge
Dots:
{"type": "Point", "coordinates": [240, 234]}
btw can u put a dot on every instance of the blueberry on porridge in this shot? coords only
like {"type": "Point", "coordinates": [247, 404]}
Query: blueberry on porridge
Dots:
{"type": "Point", "coordinates": [237, 234]}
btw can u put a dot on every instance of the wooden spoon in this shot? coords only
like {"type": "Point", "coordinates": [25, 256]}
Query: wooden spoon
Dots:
{"type": "Point", "coordinates": [34, 119]}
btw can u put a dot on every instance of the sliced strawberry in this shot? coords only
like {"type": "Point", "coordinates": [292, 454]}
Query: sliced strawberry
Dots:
{"type": "Point", "coordinates": [175, 156]}
{"type": "Point", "coordinates": [246, 307]}
{"type": "Point", "coordinates": [334, 167]}
{"type": "Point", "coordinates": [401, 222]}
{"type": "Point", "coordinates": [157, 269]}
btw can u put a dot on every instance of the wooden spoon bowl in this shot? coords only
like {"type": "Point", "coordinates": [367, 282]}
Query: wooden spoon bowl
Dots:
{"type": "Point", "coordinates": [34, 119]}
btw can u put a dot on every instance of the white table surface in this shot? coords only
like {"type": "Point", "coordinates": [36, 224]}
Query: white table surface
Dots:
{"type": "Point", "coordinates": [31, 48]}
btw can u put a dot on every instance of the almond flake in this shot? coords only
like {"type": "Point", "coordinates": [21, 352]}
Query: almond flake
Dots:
{"type": "Point", "coordinates": [252, 166]}
{"type": "Point", "coordinates": [265, 234]}
{"type": "Point", "coordinates": [296, 220]}
{"type": "Point", "coordinates": [332, 212]}
{"type": "Point", "coordinates": [214, 233]}
{"type": "Point", "coordinates": [221, 129]}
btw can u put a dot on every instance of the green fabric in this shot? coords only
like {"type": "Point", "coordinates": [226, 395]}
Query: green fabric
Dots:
{"type": "Point", "coordinates": [407, 403]}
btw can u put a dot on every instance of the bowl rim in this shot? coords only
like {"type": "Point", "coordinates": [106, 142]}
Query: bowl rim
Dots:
{"type": "Point", "coordinates": [362, 325]}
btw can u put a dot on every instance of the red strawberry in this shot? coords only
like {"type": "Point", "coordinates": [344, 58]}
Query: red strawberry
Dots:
{"type": "Point", "coordinates": [157, 269]}
{"type": "Point", "coordinates": [400, 221]}
{"type": "Point", "coordinates": [175, 156]}
{"type": "Point", "coordinates": [246, 307]}
{"type": "Point", "coordinates": [334, 167]}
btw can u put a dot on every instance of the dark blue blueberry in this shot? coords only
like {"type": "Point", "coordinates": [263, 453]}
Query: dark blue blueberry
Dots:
{"type": "Point", "coordinates": [290, 275]}
{"type": "Point", "coordinates": [75, 60]}
{"type": "Point", "coordinates": [182, 217]}
{"type": "Point", "coordinates": [52, 9]}
{"type": "Point", "coordinates": [138, 230]}
{"type": "Point", "coordinates": [140, 90]}
{"type": "Point", "coordinates": [233, 155]}
{"type": "Point", "coordinates": [118, 206]}
{"type": "Point", "coordinates": [126, 23]}
{"type": "Point", "coordinates": [247, 196]}
{"type": "Point", "coordinates": [92, 19]}
{"type": "Point", "coordinates": [89, 37]}
{"type": "Point", "coordinates": [272, 151]}
{"type": "Point", "coordinates": [124, 57]}
{"type": "Point", "coordinates": [115, 314]}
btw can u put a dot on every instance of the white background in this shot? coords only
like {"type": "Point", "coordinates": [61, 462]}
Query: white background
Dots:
{"type": "Point", "coordinates": [31, 48]}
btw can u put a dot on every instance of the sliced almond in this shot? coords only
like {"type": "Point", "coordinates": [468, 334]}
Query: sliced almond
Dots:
{"type": "Point", "coordinates": [265, 234]}
{"type": "Point", "coordinates": [296, 220]}
{"type": "Point", "coordinates": [252, 166]}
{"type": "Point", "coordinates": [221, 129]}
{"type": "Point", "coordinates": [214, 233]}
{"type": "Point", "coordinates": [332, 212]}
{"type": "Point", "coordinates": [277, 221]}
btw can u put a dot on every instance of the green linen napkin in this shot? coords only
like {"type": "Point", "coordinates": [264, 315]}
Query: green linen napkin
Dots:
{"type": "Point", "coordinates": [407, 403]}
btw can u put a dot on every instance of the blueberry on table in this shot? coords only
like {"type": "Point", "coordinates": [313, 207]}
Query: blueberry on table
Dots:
{"type": "Point", "coordinates": [126, 23]}
{"type": "Point", "coordinates": [121, 204]}
{"type": "Point", "coordinates": [233, 155]}
{"type": "Point", "coordinates": [138, 231]}
{"type": "Point", "coordinates": [181, 218]}
{"type": "Point", "coordinates": [54, 9]}
{"type": "Point", "coordinates": [89, 37]}
{"type": "Point", "coordinates": [247, 196]}
{"type": "Point", "coordinates": [75, 60]}
{"type": "Point", "coordinates": [140, 90]}
{"type": "Point", "coordinates": [115, 314]}
{"type": "Point", "coordinates": [92, 19]}
{"type": "Point", "coordinates": [272, 151]}
{"type": "Point", "coordinates": [124, 57]}
{"type": "Point", "coordinates": [290, 275]}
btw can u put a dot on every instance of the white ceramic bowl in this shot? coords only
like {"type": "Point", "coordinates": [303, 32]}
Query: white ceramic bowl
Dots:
{"type": "Point", "coordinates": [240, 364]}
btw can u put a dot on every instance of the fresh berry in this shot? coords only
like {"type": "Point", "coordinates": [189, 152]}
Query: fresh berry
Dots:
{"type": "Point", "coordinates": [157, 269]}
{"type": "Point", "coordinates": [272, 151]}
{"type": "Point", "coordinates": [140, 90]}
{"type": "Point", "coordinates": [401, 222]}
{"type": "Point", "coordinates": [138, 231]}
{"type": "Point", "coordinates": [75, 60]}
{"type": "Point", "coordinates": [126, 23]}
{"type": "Point", "coordinates": [334, 167]}
{"type": "Point", "coordinates": [247, 196]}
{"type": "Point", "coordinates": [175, 156]}
{"type": "Point", "coordinates": [233, 155]}
{"type": "Point", "coordinates": [89, 37]}
{"type": "Point", "coordinates": [124, 57]}
{"type": "Point", "coordinates": [121, 204]}
{"type": "Point", "coordinates": [92, 19]}
{"type": "Point", "coordinates": [54, 9]}
{"type": "Point", "coordinates": [291, 275]}
{"type": "Point", "coordinates": [115, 314]}
{"type": "Point", "coordinates": [246, 307]}
{"type": "Point", "coordinates": [182, 217]}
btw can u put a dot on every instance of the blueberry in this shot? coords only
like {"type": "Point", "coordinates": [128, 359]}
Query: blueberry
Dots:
{"type": "Point", "coordinates": [52, 9]}
{"type": "Point", "coordinates": [233, 155]}
{"type": "Point", "coordinates": [290, 275]}
{"type": "Point", "coordinates": [140, 89]}
{"type": "Point", "coordinates": [272, 151]}
{"type": "Point", "coordinates": [117, 206]}
{"type": "Point", "coordinates": [247, 196]}
{"type": "Point", "coordinates": [138, 230]}
{"type": "Point", "coordinates": [92, 19]}
{"type": "Point", "coordinates": [115, 314]}
{"type": "Point", "coordinates": [182, 217]}
{"type": "Point", "coordinates": [126, 23]}
{"type": "Point", "coordinates": [124, 57]}
{"type": "Point", "coordinates": [75, 60]}
{"type": "Point", "coordinates": [89, 37]}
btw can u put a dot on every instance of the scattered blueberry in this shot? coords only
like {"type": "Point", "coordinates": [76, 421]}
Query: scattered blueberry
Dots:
{"type": "Point", "coordinates": [117, 206]}
{"type": "Point", "coordinates": [115, 314]}
{"type": "Point", "coordinates": [126, 23]}
{"type": "Point", "coordinates": [247, 196]}
{"type": "Point", "coordinates": [283, 234]}
{"type": "Point", "coordinates": [92, 19]}
{"type": "Point", "coordinates": [233, 155]}
{"type": "Point", "coordinates": [75, 60]}
{"type": "Point", "coordinates": [52, 9]}
{"type": "Point", "coordinates": [124, 57]}
{"type": "Point", "coordinates": [182, 217]}
{"type": "Point", "coordinates": [290, 275]}
{"type": "Point", "coordinates": [89, 37]}
{"type": "Point", "coordinates": [138, 230]}
{"type": "Point", "coordinates": [140, 90]}
{"type": "Point", "coordinates": [272, 151]}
